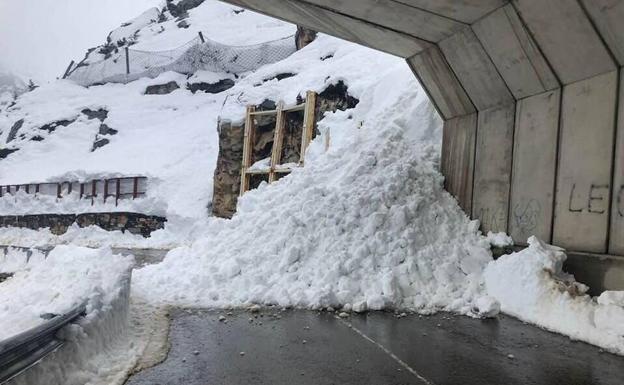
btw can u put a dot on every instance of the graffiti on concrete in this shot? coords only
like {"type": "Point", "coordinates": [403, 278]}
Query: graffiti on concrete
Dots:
{"type": "Point", "coordinates": [526, 215]}
{"type": "Point", "coordinates": [593, 200]}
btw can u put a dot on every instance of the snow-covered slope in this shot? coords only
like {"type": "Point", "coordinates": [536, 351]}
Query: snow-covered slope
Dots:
{"type": "Point", "coordinates": [11, 86]}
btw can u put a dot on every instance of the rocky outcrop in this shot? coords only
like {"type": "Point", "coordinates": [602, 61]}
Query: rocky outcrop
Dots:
{"type": "Point", "coordinates": [59, 223]}
{"type": "Point", "coordinates": [162, 89]}
{"type": "Point", "coordinates": [14, 130]}
{"type": "Point", "coordinates": [180, 9]}
{"type": "Point", "coordinates": [211, 88]}
{"type": "Point", "coordinates": [304, 36]}
{"type": "Point", "coordinates": [227, 172]}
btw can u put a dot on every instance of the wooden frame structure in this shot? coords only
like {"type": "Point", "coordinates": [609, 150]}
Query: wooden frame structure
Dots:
{"type": "Point", "coordinates": [275, 168]}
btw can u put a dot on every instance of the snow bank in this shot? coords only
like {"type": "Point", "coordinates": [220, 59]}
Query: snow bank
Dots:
{"type": "Point", "coordinates": [531, 286]}
{"type": "Point", "coordinates": [70, 276]}
{"type": "Point", "coordinates": [366, 225]}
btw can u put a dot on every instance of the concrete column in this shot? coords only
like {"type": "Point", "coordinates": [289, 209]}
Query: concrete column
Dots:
{"type": "Point", "coordinates": [616, 238]}
{"type": "Point", "coordinates": [534, 164]}
{"type": "Point", "coordinates": [457, 165]}
{"type": "Point", "coordinates": [585, 163]}
{"type": "Point", "coordinates": [493, 167]}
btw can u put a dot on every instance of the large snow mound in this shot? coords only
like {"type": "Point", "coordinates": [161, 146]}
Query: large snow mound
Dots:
{"type": "Point", "coordinates": [366, 225]}
{"type": "Point", "coordinates": [532, 286]}
{"type": "Point", "coordinates": [68, 277]}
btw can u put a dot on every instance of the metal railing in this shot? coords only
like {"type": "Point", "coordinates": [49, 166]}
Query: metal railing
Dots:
{"type": "Point", "coordinates": [118, 188]}
{"type": "Point", "coordinates": [24, 350]}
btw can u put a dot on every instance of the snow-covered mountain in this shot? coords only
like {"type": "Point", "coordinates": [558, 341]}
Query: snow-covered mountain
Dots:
{"type": "Point", "coordinates": [11, 86]}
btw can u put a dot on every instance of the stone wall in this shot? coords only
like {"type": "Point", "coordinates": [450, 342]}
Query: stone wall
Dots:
{"type": "Point", "coordinates": [59, 223]}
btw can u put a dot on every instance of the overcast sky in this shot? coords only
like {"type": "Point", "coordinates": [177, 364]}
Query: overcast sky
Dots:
{"type": "Point", "coordinates": [38, 38]}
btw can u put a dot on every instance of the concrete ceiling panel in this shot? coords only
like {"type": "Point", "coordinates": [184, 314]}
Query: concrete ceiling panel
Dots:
{"type": "Point", "coordinates": [332, 23]}
{"type": "Point", "coordinates": [442, 86]}
{"type": "Point", "coordinates": [466, 11]}
{"type": "Point", "coordinates": [608, 16]}
{"type": "Point", "coordinates": [514, 53]}
{"type": "Point", "coordinates": [566, 37]}
{"type": "Point", "coordinates": [396, 16]}
{"type": "Point", "coordinates": [475, 70]}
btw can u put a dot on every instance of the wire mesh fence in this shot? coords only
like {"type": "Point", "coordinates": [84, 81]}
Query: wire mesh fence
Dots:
{"type": "Point", "coordinates": [197, 54]}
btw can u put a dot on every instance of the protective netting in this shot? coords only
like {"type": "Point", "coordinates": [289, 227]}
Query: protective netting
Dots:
{"type": "Point", "coordinates": [186, 59]}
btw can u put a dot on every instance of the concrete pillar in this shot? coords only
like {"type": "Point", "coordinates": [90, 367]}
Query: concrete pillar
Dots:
{"type": "Point", "coordinates": [534, 165]}
{"type": "Point", "coordinates": [585, 163]}
{"type": "Point", "coordinates": [493, 158]}
{"type": "Point", "coordinates": [616, 236]}
{"type": "Point", "coordinates": [458, 150]}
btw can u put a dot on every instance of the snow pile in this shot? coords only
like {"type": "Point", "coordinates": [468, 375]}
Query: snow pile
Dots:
{"type": "Point", "coordinates": [531, 286]}
{"type": "Point", "coordinates": [68, 277]}
{"type": "Point", "coordinates": [366, 225]}
{"type": "Point", "coordinates": [14, 259]}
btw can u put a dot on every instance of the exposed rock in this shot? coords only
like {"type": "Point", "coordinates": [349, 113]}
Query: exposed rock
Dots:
{"type": "Point", "coordinates": [4, 152]}
{"type": "Point", "coordinates": [182, 7]}
{"type": "Point", "coordinates": [99, 143]}
{"type": "Point", "coordinates": [183, 24]}
{"type": "Point", "coordinates": [304, 36]}
{"type": "Point", "coordinates": [14, 130]}
{"type": "Point", "coordinates": [227, 172]}
{"type": "Point", "coordinates": [162, 89]}
{"type": "Point", "coordinates": [211, 88]}
{"type": "Point", "coordinates": [59, 223]}
{"type": "Point", "coordinates": [100, 114]}
{"type": "Point", "coordinates": [51, 127]}
{"type": "Point", "coordinates": [37, 138]}
{"type": "Point", "coordinates": [336, 97]}
{"type": "Point", "coordinates": [279, 77]}
{"type": "Point", "coordinates": [105, 130]}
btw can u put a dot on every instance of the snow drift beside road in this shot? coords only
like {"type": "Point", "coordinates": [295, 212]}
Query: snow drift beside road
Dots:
{"type": "Point", "coordinates": [531, 286]}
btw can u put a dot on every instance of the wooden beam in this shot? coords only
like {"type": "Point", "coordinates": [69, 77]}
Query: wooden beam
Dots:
{"type": "Point", "coordinates": [247, 148]}
{"type": "Point", "coordinates": [309, 120]}
{"type": "Point", "coordinates": [278, 141]}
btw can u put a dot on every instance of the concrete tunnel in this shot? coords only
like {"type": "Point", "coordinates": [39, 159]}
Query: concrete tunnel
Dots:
{"type": "Point", "coordinates": [532, 102]}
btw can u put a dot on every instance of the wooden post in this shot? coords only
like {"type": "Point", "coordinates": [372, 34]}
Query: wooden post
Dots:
{"type": "Point", "coordinates": [127, 61]}
{"type": "Point", "coordinates": [278, 140]}
{"type": "Point", "coordinates": [69, 67]}
{"type": "Point", "coordinates": [309, 120]}
{"type": "Point", "coordinates": [201, 37]}
{"type": "Point", "coordinates": [247, 148]}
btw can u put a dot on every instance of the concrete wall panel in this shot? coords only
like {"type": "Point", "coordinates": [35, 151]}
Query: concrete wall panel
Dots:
{"type": "Point", "coordinates": [608, 16]}
{"type": "Point", "coordinates": [534, 164]}
{"type": "Point", "coordinates": [493, 167]}
{"type": "Point", "coordinates": [566, 37]}
{"type": "Point", "coordinates": [458, 151]}
{"type": "Point", "coordinates": [514, 53]}
{"type": "Point", "coordinates": [585, 157]}
{"type": "Point", "coordinates": [342, 26]}
{"type": "Point", "coordinates": [475, 70]}
{"type": "Point", "coordinates": [441, 84]}
{"type": "Point", "coordinates": [467, 11]}
{"type": "Point", "coordinates": [410, 20]}
{"type": "Point", "coordinates": [616, 238]}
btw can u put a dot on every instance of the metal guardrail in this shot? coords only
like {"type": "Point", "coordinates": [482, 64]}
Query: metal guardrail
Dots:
{"type": "Point", "coordinates": [23, 351]}
{"type": "Point", "coordinates": [118, 188]}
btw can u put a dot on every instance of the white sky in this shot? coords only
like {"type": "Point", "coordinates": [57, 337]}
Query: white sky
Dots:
{"type": "Point", "coordinates": [38, 38]}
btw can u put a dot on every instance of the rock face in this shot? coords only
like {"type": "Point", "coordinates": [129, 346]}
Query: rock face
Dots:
{"type": "Point", "coordinates": [211, 88]}
{"type": "Point", "coordinates": [304, 36]}
{"type": "Point", "coordinates": [162, 89]}
{"type": "Point", "coordinates": [59, 223]}
{"type": "Point", "coordinates": [14, 130]}
{"type": "Point", "coordinates": [227, 173]}
{"type": "Point", "coordinates": [179, 9]}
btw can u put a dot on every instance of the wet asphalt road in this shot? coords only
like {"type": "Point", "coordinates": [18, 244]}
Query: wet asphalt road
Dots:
{"type": "Point", "coordinates": [300, 347]}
